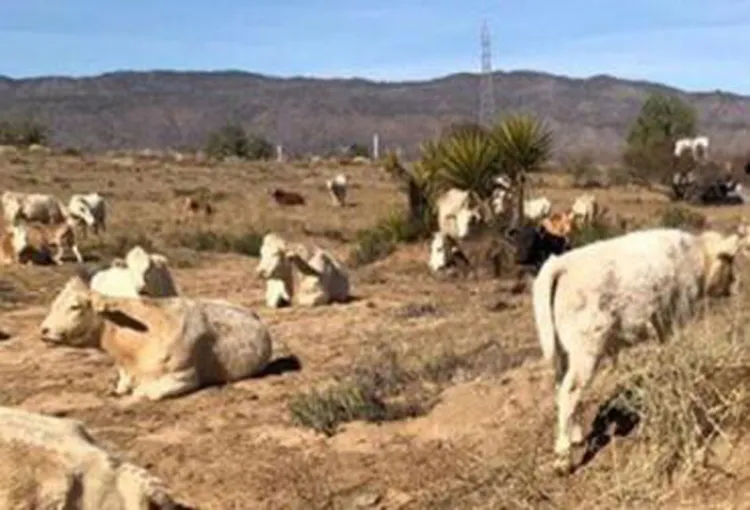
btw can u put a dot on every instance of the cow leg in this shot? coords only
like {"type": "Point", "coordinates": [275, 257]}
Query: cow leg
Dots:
{"type": "Point", "coordinates": [59, 255]}
{"type": "Point", "coordinates": [169, 385]}
{"type": "Point", "coordinates": [124, 382]}
{"type": "Point", "coordinates": [580, 371]}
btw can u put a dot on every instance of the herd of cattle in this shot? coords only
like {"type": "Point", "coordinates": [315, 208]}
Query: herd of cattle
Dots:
{"type": "Point", "coordinates": [588, 303]}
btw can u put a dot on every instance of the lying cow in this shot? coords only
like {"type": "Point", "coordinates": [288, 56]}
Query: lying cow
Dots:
{"type": "Point", "coordinates": [163, 347]}
{"type": "Point", "coordinates": [51, 462]}
{"type": "Point", "coordinates": [90, 211]}
{"type": "Point", "coordinates": [593, 301]}
{"type": "Point", "coordinates": [138, 274]}
{"type": "Point", "coordinates": [283, 197]}
{"type": "Point", "coordinates": [32, 207]}
{"type": "Point", "coordinates": [276, 268]}
{"type": "Point", "coordinates": [323, 279]}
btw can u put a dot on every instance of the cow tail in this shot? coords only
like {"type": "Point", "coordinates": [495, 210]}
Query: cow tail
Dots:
{"type": "Point", "coordinates": [544, 288]}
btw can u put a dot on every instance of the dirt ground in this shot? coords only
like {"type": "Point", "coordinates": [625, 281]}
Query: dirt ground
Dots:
{"type": "Point", "coordinates": [487, 443]}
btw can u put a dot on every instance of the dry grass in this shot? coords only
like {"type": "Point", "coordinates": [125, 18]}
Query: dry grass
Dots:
{"type": "Point", "coordinates": [479, 407]}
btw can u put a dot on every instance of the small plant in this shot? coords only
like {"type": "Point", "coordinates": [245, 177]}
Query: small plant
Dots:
{"type": "Point", "coordinates": [600, 227]}
{"type": "Point", "coordinates": [380, 241]}
{"type": "Point", "coordinates": [676, 216]}
{"type": "Point", "coordinates": [247, 243]}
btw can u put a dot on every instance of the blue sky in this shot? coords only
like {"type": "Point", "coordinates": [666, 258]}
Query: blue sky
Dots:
{"type": "Point", "coordinates": [692, 44]}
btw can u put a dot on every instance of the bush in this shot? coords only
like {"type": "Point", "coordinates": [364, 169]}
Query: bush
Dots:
{"type": "Point", "coordinates": [247, 243]}
{"type": "Point", "coordinates": [676, 216]}
{"type": "Point", "coordinates": [601, 227]}
{"type": "Point", "coordinates": [23, 133]}
{"type": "Point", "coordinates": [380, 241]}
{"type": "Point", "coordinates": [233, 141]}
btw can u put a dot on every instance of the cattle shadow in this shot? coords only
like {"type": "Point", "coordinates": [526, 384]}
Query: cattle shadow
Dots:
{"type": "Point", "coordinates": [280, 366]}
{"type": "Point", "coordinates": [614, 418]}
{"type": "Point", "coordinates": [4, 335]}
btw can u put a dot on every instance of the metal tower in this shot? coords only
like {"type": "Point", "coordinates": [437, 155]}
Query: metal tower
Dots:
{"type": "Point", "coordinates": [486, 92]}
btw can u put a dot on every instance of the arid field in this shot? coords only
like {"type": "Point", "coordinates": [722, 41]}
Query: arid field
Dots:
{"type": "Point", "coordinates": [465, 411]}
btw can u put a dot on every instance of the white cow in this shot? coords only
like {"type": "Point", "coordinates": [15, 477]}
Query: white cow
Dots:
{"type": "Point", "coordinates": [89, 210]}
{"type": "Point", "coordinates": [276, 268]}
{"type": "Point", "coordinates": [40, 238]}
{"type": "Point", "coordinates": [697, 146]}
{"type": "Point", "coordinates": [13, 242]}
{"type": "Point", "coordinates": [337, 188]}
{"type": "Point", "coordinates": [34, 207]}
{"type": "Point", "coordinates": [51, 462]}
{"type": "Point", "coordinates": [323, 279]}
{"type": "Point", "coordinates": [595, 300]}
{"type": "Point", "coordinates": [536, 209]}
{"type": "Point", "coordinates": [456, 217]}
{"type": "Point", "coordinates": [139, 274]}
{"type": "Point", "coordinates": [162, 347]}
{"type": "Point", "coordinates": [585, 208]}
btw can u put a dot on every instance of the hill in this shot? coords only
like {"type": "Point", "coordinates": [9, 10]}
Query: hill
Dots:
{"type": "Point", "coordinates": [177, 109]}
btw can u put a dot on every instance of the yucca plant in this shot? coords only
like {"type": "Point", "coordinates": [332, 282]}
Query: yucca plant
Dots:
{"type": "Point", "coordinates": [523, 144]}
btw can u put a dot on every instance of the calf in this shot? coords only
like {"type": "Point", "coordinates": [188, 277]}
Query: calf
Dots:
{"type": "Point", "coordinates": [337, 188]}
{"type": "Point", "coordinates": [595, 300]}
{"type": "Point", "coordinates": [41, 238]}
{"type": "Point", "coordinates": [89, 210]}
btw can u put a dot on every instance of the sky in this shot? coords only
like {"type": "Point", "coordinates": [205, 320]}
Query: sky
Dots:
{"type": "Point", "coordinates": [690, 44]}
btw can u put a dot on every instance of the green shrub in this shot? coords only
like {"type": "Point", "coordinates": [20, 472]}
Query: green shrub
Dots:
{"type": "Point", "coordinates": [676, 216]}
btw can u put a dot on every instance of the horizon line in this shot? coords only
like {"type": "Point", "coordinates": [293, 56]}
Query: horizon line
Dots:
{"type": "Point", "coordinates": [414, 81]}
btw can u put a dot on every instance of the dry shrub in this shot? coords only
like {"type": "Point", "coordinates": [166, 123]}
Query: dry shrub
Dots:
{"type": "Point", "coordinates": [675, 216]}
{"type": "Point", "coordinates": [246, 243]}
{"type": "Point", "coordinates": [378, 242]}
{"type": "Point", "coordinates": [391, 387]}
{"type": "Point", "coordinates": [689, 395]}
{"type": "Point", "coordinates": [602, 226]}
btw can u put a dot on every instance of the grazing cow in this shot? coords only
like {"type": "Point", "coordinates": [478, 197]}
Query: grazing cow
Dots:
{"type": "Point", "coordinates": [89, 210]}
{"type": "Point", "coordinates": [595, 300]}
{"type": "Point", "coordinates": [51, 462]}
{"type": "Point", "coordinates": [537, 208]}
{"type": "Point", "coordinates": [456, 217]}
{"type": "Point", "coordinates": [35, 207]}
{"type": "Point", "coordinates": [486, 254]}
{"type": "Point", "coordinates": [40, 238]}
{"type": "Point", "coordinates": [162, 347]}
{"type": "Point", "coordinates": [323, 279]}
{"type": "Point", "coordinates": [337, 188]}
{"type": "Point", "coordinates": [283, 197]}
{"type": "Point", "coordinates": [585, 208]}
{"type": "Point", "coordinates": [276, 268]}
{"type": "Point", "coordinates": [139, 274]}
{"type": "Point", "coordinates": [13, 243]}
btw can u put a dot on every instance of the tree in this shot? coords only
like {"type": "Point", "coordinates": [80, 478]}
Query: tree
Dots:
{"type": "Point", "coordinates": [358, 150]}
{"type": "Point", "coordinates": [232, 140]}
{"type": "Point", "coordinates": [524, 144]}
{"type": "Point", "coordinates": [662, 121]}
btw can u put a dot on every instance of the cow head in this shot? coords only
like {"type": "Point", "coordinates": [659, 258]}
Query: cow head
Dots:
{"type": "Point", "coordinates": [81, 210]}
{"type": "Point", "coordinates": [71, 320]}
{"type": "Point", "coordinates": [273, 258]}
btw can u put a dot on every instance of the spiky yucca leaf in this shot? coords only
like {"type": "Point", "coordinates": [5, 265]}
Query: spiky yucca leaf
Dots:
{"type": "Point", "coordinates": [524, 143]}
{"type": "Point", "coordinates": [466, 159]}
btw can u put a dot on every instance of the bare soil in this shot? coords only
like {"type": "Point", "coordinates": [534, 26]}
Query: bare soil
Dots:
{"type": "Point", "coordinates": [487, 443]}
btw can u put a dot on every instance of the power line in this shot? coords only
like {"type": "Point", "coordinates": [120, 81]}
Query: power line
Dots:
{"type": "Point", "coordinates": [486, 91]}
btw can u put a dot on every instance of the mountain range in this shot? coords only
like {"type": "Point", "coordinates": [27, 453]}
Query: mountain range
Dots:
{"type": "Point", "coordinates": [161, 109]}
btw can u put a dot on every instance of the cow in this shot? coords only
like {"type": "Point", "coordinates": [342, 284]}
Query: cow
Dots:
{"type": "Point", "coordinates": [138, 274]}
{"type": "Point", "coordinates": [162, 347]}
{"type": "Point", "coordinates": [276, 268]}
{"type": "Point", "coordinates": [40, 238]}
{"type": "Point", "coordinates": [51, 462]}
{"type": "Point", "coordinates": [13, 244]}
{"type": "Point", "coordinates": [323, 279]}
{"type": "Point", "coordinates": [32, 207]}
{"type": "Point", "coordinates": [585, 208]}
{"type": "Point", "coordinates": [337, 188]}
{"type": "Point", "coordinates": [90, 211]}
{"type": "Point", "coordinates": [535, 244]}
{"type": "Point", "coordinates": [456, 217]}
{"type": "Point", "coordinates": [290, 198]}
{"type": "Point", "coordinates": [535, 209]}
{"type": "Point", "coordinates": [595, 300]}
